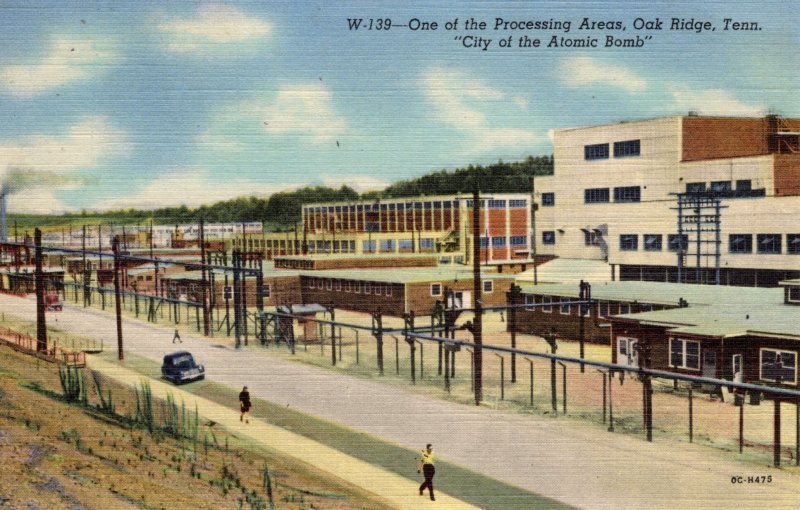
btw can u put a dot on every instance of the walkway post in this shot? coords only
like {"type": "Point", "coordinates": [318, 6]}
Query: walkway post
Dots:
{"type": "Point", "coordinates": [41, 326]}
{"type": "Point", "coordinates": [477, 321]}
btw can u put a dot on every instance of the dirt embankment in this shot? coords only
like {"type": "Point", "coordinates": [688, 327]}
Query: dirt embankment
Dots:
{"type": "Point", "coordinates": [77, 455]}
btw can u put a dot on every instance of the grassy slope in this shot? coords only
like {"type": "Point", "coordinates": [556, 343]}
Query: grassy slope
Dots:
{"type": "Point", "coordinates": [59, 455]}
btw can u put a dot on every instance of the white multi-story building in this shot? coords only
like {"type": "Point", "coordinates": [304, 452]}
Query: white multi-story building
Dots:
{"type": "Point", "coordinates": [615, 191]}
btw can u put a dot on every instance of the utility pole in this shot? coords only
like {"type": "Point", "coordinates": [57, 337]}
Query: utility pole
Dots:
{"type": "Point", "coordinates": [204, 281]}
{"type": "Point", "coordinates": [41, 326]}
{"type": "Point", "coordinates": [117, 300]}
{"type": "Point", "coordinates": [477, 321]}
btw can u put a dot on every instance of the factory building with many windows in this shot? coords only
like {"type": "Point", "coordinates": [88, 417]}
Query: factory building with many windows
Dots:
{"type": "Point", "coordinates": [440, 225]}
{"type": "Point", "coordinates": [685, 198]}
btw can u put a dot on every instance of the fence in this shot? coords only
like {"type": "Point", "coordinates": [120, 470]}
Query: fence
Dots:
{"type": "Point", "coordinates": [727, 415]}
{"type": "Point", "coordinates": [54, 354]}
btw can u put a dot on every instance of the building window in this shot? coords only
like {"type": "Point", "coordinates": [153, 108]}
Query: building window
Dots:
{"type": "Point", "coordinates": [347, 286]}
{"type": "Point", "coordinates": [627, 194]}
{"type": "Point", "coordinates": [530, 300]}
{"type": "Point", "coordinates": [338, 285]}
{"type": "Point", "coordinates": [367, 287]}
{"type": "Point", "coordinates": [311, 283]}
{"type": "Point", "coordinates": [793, 244]}
{"type": "Point", "coordinates": [267, 290]}
{"type": "Point", "coordinates": [596, 151]}
{"type": "Point", "coordinates": [591, 237]}
{"type": "Point", "coordinates": [498, 242]}
{"type": "Point", "coordinates": [547, 307]}
{"type": "Point", "coordinates": [721, 187]}
{"type": "Point", "coordinates": [695, 187]}
{"type": "Point", "coordinates": [387, 245]}
{"type": "Point", "coordinates": [357, 287]}
{"type": "Point", "coordinates": [744, 185]}
{"type": "Point", "coordinates": [565, 308]}
{"type": "Point", "coordinates": [602, 309]}
{"type": "Point", "coordinates": [519, 241]}
{"type": "Point", "coordinates": [405, 244]}
{"type": "Point", "coordinates": [368, 246]}
{"type": "Point", "coordinates": [377, 289]}
{"type": "Point", "coordinates": [624, 308]}
{"type": "Point", "coordinates": [388, 289]}
{"type": "Point", "coordinates": [778, 365]}
{"type": "Point", "coordinates": [484, 242]}
{"type": "Point", "coordinates": [497, 204]}
{"type": "Point", "coordinates": [684, 353]}
{"type": "Point", "coordinates": [740, 243]}
{"type": "Point", "coordinates": [627, 148]}
{"type": "Point", "coordinates": [793, 295]}
{"type": "Point", "coordinates": [548, 199]}
{"type": "Point", "coordinates": [329, 284]}
{"type": "Point", "coordinates": [628, 242]}
{"type": "Point", "coordinates": [488, 286]}
{"type": "Point", "coordinates": [652, 242]}
{"type": "Point", "coordinates": [436, 289]}
{"type": "Point", "coordinates": [595, 196]}
{"type": "Point", "coordinates": [549, 237]}
{"type": "Point", "coordinates": [677, 242]}
{"type": "Point", "coordinates": [426, 243]}
{"type": "Point", "coordinates": [769, 244]}
{"type": "Point", "coordinates": [518, 204]}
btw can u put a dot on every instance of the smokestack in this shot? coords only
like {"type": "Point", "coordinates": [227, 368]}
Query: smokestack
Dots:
{"type": "Point", "coordinates": [3, 225]}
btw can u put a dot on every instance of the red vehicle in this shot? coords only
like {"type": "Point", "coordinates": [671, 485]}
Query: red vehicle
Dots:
{"type": "Point", "coordinates": [53, 303]}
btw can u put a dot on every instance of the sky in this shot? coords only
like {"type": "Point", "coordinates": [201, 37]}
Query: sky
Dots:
{"type": "Point", "coordinates": [109, 105]}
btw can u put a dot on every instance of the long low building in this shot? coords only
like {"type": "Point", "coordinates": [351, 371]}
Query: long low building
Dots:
{"type": "Point", "coordinates": [402, 291]}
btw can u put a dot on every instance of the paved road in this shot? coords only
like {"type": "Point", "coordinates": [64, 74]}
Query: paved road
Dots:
{"type": "Point", "coordinates": [579, 464]}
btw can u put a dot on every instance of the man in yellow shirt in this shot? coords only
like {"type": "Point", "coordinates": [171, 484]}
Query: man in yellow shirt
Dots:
{"type": "Point", "coordinates": [427, 469]}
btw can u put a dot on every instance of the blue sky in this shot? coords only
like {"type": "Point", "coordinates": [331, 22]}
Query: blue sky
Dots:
{"type": "Point", "coordinates": [139, 104]}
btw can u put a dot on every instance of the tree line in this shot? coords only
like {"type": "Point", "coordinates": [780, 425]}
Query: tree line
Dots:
{"type": "Point", "coordinates": [283, 209]}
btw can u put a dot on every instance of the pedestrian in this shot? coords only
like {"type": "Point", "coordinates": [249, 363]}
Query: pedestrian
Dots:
{"type": "Point", "coordinates": [244, 405]}
{"type": "Point", "coordinates": [427, 469]}
{"type": "Point", "coordinates": [177, 338]}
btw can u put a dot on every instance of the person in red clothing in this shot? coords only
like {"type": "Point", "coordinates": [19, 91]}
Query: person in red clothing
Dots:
{"type": "Point", "coordinates": [244, 405]}
{"type": "Point", "coordinates": [427, 469]}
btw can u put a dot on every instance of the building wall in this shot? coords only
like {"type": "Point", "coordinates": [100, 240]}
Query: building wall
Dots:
{"type": "Point", "coordinates": [787, 174]}
{"type": "Point", "coordinates": [357, 295]}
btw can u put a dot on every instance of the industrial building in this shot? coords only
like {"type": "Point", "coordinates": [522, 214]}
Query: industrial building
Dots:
{"type": "Point", "coordinates": [684, 198]}
{"type": "Point", "coordinates": [440, 225]}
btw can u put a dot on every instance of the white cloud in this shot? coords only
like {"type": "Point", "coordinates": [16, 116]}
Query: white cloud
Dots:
{"type": "Point", "coordinates": [36, 201]}
{"type": "Point", "coordinates": [521, 102]}
{"type": "Point", "coordinates": [586, 71]}
{"type": "Point", "coordinates": [303, 110]}
{"type": "Point", "coordinates": [84, 146]}
{"type": "Point", "coordinates": [453, 94]}
{"type": "Point", "coordinates": [213, 25]}
{"type": "Point", "coordinates": [187, 186]}
{"type": "Point", "coordinates": [711, 102]}
{"type": "Point", "coordinates": [358, 183]}
{"type": "Point", "coordinates": [220, 143]}
{"type": "Point", "coordinates": [68, 60]}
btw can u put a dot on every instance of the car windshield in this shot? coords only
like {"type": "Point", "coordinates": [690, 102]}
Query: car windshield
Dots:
{"type": "Point", "coordinates": [183, 362]}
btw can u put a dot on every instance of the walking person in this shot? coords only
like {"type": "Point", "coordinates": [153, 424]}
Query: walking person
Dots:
{"type": "Point", "coordinates": [427, 469]}
{"type": "Point", "coordinates": [176, 339]}
{"type": "Point", "coordinates": [244, 405]}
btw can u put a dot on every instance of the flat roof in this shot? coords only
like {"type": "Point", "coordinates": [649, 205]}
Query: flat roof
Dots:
{"type": "Point", "coordinates": [662, 293]}
{"type": "Point", "coordinates": [350, 256]}
{"type": "Point", "coordinates": [406, 274]}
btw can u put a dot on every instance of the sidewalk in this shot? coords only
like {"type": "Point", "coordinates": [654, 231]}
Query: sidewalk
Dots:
{"type": "Point", "coordinates": [398, 490]}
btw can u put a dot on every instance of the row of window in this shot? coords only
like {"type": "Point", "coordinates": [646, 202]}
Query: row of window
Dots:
{"type": "Point", "coordinates": [622, 149]}
{"type": "Point", "coordinates": [604, 308]}
{"type": "Point", "coordinates": [774, 365]}
{"type": "Point", "coordinates": [436, 288]}
{"type": "Point", "coordinates": [766, 244]}
{"type": "Point", "coordinates": [350, 286]}
{"type": "Point", "coordinates": [500, 241]}
{"type": "Point", "coordinates": [501, 204]}
{"type": "Point", "coordinates": [622, 194]}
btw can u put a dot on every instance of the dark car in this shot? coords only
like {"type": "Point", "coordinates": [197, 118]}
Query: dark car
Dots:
{"type": "Point", "coordinates": [180, 367]}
